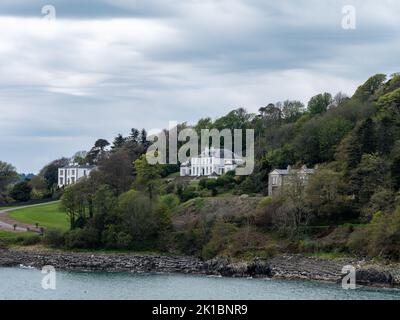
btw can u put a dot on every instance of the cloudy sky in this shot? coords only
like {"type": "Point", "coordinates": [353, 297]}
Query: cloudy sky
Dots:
{"type": "Point", "coordinates": [103, 67]}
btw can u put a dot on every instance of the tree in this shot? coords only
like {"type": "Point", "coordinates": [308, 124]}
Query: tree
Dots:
{"type": "Point", "coordinates": [147, 175]}
{"type": "Point", "coordinates": [365, 91]}
{"type": "Point", "coordinates": [50, 172]}
{"type": "Point", "coordinates": [134, 136]}
{"type": "Point", "coordinates": [8, 174]}
{"type": "Point", "coordinates": [271, 113]}
{"type": "Point", "coordinates": [143, 137]}
{"type": "Point", "coordinates": [21, 191]}
{"type": "Point", "coordinates": [292, 110]}
{"type": "Point", "coordinates": [293, 214]}
{"type": "Point", "coordinates": [330, 134]}
{"type": "Point", "coordinates": [139, 217]}
{"type": "Point", "coordinates": [119, 141]}
{"type": "Point", "coordinates": [117, 170]}
{"type": "Point", "coordinates": [319, 103]}
{"type": "Point", "coordinates": [370, 175]}
{"type": "Point", "coordinates": [76, 203]}
{"type": "Point", "coordinates": [324, 196]}
{"type": "Point", "coordinates": [339, 99]}
{"type": "Point", "coordinates": [367, 136]}
{"type": "Point", "coordinates": [94, 155]}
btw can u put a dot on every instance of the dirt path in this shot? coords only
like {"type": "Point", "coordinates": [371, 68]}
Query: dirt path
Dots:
{"type": "Point", "coordinates": [7, 223]}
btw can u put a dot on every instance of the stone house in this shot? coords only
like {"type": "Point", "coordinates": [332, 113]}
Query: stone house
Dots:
{"type": "Point", "coordinates": [279, 177]}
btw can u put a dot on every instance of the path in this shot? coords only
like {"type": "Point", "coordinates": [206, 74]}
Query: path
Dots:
{"type": "Point", "coordinates": [7, 223]}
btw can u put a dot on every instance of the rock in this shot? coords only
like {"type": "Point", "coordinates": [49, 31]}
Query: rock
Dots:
{"type": "Point", "coordinates": [285, 266]}
{"type": "Point", "coordinates": [374, 276]}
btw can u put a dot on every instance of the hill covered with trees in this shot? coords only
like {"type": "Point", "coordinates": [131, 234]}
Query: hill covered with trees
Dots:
{"type": "Point", "coordinates": [349, 206]}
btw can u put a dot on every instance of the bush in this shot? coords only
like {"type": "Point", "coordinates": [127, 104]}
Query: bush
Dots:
{"type": "Point", "coordinates": [86, 238]}
{"type": "Point", "coordinates": [54, 238]}
{"type": "Point", "coordinates": [113, 239]}
{"type": "Point", "coordinates": [188, 193]}
{"type": "Point", "coordinates": [221, 234]}
{"type": "Point", "coordinates": [380, 238]}
{"type": "Point", "coordinates": [171, 201]}
{"type": "Point", "coordinates": [29, 240]}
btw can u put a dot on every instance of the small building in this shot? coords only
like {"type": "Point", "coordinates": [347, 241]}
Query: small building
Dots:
{"type": "Point", "coordinates": [210, 163]}
{"type": "Point", "coordinates": [72, 173]}
{"type": "Point", "coordinates": [279, 177]}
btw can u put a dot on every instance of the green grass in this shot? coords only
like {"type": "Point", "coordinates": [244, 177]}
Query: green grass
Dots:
{"type": "Point", "coordinates": [9, 234]}
{"type": "Point", "coordinates": [47, 215]}
{"type": "Point", "coordinates": [5, 208]}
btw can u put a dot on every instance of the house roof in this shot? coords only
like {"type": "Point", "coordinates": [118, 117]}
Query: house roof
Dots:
{"type": "Point", "coordinates": [219, 153]}
{"type": "Point", "coordinates": [79, 167]}
{"type": "Point", "coordinates": [284, 172]}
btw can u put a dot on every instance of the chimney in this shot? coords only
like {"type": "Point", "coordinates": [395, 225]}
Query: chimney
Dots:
{"type": "Point", "coordinates": [289, 168]}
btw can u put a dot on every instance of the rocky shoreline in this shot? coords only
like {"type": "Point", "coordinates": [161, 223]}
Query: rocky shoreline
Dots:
{"type": "Point", "coordinates": [285, 266]}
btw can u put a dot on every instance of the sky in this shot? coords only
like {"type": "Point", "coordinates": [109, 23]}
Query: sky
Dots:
{"type": "Point", "coordinates": [99, 68]}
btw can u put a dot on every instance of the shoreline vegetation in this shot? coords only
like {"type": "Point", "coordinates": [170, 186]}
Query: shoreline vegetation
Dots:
{"type": "Point", "coordinates": [306, 229]}
{"type": "Point", "coordinates": [289, 267]}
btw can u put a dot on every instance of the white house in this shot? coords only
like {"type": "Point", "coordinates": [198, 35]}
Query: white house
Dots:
{"type": "Point", "coordinates": [211, 162]}
{"type": "Point", "coordinates": [72, 173]}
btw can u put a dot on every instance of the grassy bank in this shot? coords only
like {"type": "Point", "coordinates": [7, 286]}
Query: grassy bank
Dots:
{"type": "Point", "coordinates": [47, 215]}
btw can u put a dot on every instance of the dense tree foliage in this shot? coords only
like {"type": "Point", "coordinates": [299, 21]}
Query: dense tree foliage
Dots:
{"type": "Point", "coordinates": [353, 196]}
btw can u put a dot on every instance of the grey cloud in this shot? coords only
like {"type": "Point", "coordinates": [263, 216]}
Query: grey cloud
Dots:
{"type": "Point", "coordinates": [157, 61]}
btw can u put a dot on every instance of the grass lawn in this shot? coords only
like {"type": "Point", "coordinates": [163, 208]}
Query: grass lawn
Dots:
{"type": "Point", "coordinates": [47, 215]}
{"type": "Point", "coordinates": [8, 234]}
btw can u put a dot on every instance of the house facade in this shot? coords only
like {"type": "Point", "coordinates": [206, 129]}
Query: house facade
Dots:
{"type": "Point", "coordinates": [279, 177]}
{"type": "Point", "coordinates": [72, 173]}
{"type": "Point", "coordinates": [210, 163]}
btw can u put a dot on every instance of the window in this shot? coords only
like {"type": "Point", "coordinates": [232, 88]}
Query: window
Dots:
{"type": "Point", "coordinates": [61, 181]}
{"type": "Point", "coordinates": [61, 172]}
{"type": "Point", "coordinates": [274, 180]}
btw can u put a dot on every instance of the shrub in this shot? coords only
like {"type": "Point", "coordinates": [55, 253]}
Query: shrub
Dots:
{"type": "Point", "coordinates": [29, 240]}
{"type": "Point", "coordinates": [171, 201]}
{"type": "Point", "coordinates": [113, 239]}
{"type": "Point", "coordinates": [82, 238]}
{"type": "Point", "coordinates": [221, 234]}
{"type": "Point", "coordinates": [54, 237]}
{"type": "Point", "coordinates": [380, 238]}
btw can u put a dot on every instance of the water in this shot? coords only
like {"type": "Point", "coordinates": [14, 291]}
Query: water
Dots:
{"type": "Point", "coordinates": [19, 283]}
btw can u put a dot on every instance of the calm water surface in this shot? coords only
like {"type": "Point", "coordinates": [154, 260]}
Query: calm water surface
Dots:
{"type": "Point", "coordinates": [20, 283]}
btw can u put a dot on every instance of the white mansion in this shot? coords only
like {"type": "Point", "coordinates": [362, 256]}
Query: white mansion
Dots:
{"type": "Point", "coordinates": [211, 162]}
{"type": "Point", "coordinates": [72, 173]}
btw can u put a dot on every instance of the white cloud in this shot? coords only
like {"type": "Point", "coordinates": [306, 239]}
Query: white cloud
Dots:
{"type": "Point", "coordinates": [64, 84]}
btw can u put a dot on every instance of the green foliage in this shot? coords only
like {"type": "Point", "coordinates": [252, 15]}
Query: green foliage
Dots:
{"type": "Point", "coordinates": [319, 103]}
{"type": "Point", "coordinates": [54, 238]}
{"type": "Point", "coordinates": [86, 238]}
{"type": "Point", "coordinates": [220, 237]}
{"type": "Point", "coordinates": [171, 201]}
{"type": "Point", "coordinates": [147, 175]}
{"type": "Point", "coordinates": [325, 198]}
{"type": "Point", "coordinates": [7, 175]}
{"type": "Point", "coordinates": [21, 191]}
{"type": "Point", "coordinates": [369, 88]}
{"type": "Point", "coordinates": [380, 238]}
{"type": "Point", "coordinates": [330, 134]}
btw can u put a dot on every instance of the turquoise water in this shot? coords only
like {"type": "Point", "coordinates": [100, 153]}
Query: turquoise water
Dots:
{"type": "Point", "coordinates": [18, 283]}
